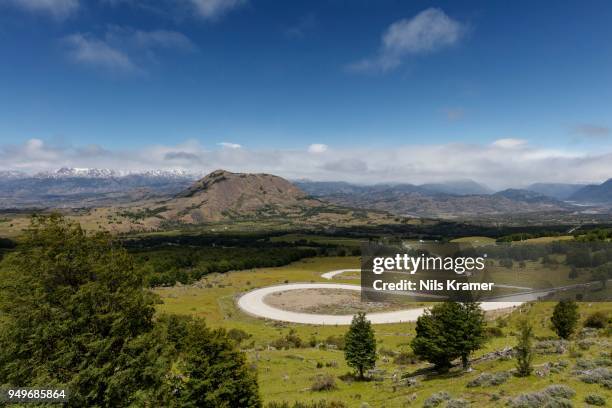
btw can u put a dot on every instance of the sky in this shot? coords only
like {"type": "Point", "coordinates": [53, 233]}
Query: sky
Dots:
{"type": "Point", "coordinates": [367, 91]}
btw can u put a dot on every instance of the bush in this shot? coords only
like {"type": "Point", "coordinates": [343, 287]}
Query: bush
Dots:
{"type": "Point", "coordinates": [436, 399]}
{"type": "Point", "coordinates": [313, 404]}
{"type": "Point", "coordinates": [597, 320]}
{"type": "Point", "coordinates": [405, 358]}
{"type": "Point", "coordinates": [601, 375]}
{"type": "Point", "coordinates": [553, 396]}
{"type": "Point", "coordinates": [238, 335]}
{"type": "Point", "coordinates": [584, 364]}
{"type": "Point", "coordinates": [323, 382]}
{"type": "Point", "coordinates": [585, 344]}
{"type": "Point", "coordinates": [335, 341]}
{"type": "Point", "coordinates": [291, 340]}
{"type": "Point", "coordinates": [560, 391]}
{"type": "Point", "coordinates": [595, 399]}
{"type": "Point", "coordinates": [486, 379]}
{"type": "Point", "coordinates": [457, 403]}
{"type": "Point", "coordinates": [551, 346]}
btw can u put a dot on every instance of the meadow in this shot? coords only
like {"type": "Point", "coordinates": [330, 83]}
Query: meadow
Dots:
{"type": "Point", "coordinates": [399, 380]}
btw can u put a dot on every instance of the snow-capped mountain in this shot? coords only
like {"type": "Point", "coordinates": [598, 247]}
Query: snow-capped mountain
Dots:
{"type": "Point", "coordinates": [76, 172]}
{"type": "Point", "coordinates": [77, 187]}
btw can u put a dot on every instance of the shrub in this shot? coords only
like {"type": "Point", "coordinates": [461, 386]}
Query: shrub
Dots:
{"type": "Point", "coordinates": [457, 403]}
{"type": "Point", "coordinates": [238, 335]}
{"type": "Point", "coordinates": [335, 341]}
{"type": "Point", "coordinates": [559, 391]}
{"type": "Point", "coordinates": [436, 399]}
{"type": "Point", "coordinates": [553, 396]}
{"type": "Point", "coordinates": [405, 358]}
{"type": "Point", "coordinates": [291, 340]}
{"type": "Point", "coordinates": [486, 379]}
{"type": "Point", "coordinates": [599, 375]}
{"type": "Point", "coordinates": [551, 346]}
{"type": "Point", "coordinates": [585, 344]}
{"type": "Point", "coordinates": [323, 382]}
{"type": "Point", "coordinates": [595, 399]}
{"type": "Point", "coordinates": [313, 404]}
{"type": "Point", "coordinates": [597, 320]}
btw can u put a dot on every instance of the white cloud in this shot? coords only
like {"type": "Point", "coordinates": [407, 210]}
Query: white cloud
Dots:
{"type": "Point", "coordinates": [501, 164]}
{"type": "Point", "coordinates": [87, 50]}
{"type": "Point", "coordinates": [428, 31]}
{"type": "Point", "coordinates": [155, 39]}
{"type": "Point", "coordinates": [211, 9]}
{"type": "Point", "coordinates": [123, 49]}
{"type": "Point", "coordinates": [509, 143]}
{"type": "Point", "coordinates": [229, 145]}
{"type": "Point", "coordinates": [58, 9]}
{"type": "Point", "coordinates": [317, 148]}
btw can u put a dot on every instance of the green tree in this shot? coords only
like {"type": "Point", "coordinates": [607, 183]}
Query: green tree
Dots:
{"type": "Point", "coordinates": [360, 344]}
{"type": "Point", "coordinates": [448, 331]}
{"type": "Point", "coordinates": [565, 318]}
{"type": "Point", "coordinates": [524, 349]}
{"type": "Point", "coordinates": [75, 314]}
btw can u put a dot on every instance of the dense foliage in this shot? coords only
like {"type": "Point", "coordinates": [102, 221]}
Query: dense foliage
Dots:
{"type": "Point", "coordinates": [448, 331]}
{"type": "Point", "coordinates": [360, 345]}
{"type": "Point", "coordinates": [565, 318]}
{"type": "Point", "coordinates": [166, 266]}
{"type": "Point", "coordinates": [75, 314]}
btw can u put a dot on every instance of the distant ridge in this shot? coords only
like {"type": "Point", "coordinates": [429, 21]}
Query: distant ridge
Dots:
{"type": "Point", "coordinates": [596, 193]}
{"type": "Point", "coordinates": [560, 191]}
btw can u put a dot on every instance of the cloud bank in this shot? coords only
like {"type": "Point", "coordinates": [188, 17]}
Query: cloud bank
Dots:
{"type": "Point", "coordinates": [502, 163]}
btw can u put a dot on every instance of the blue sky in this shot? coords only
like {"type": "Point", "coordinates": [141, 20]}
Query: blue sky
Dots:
{"type": "Point", "coordinates": [128, 75]}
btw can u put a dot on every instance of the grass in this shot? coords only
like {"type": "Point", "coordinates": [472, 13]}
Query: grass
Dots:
{"type": "Point", "coordinates": [288, 374]}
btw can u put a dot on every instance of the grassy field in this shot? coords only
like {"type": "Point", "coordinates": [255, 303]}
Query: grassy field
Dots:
{"type": "Point", "coordinates": [288, 374]}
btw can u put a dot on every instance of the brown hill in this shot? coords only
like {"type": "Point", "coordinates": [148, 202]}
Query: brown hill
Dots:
{"type": "Point", "coordinates": [222, 195]}
{"type": "Point", "coordinates": [250, 200]}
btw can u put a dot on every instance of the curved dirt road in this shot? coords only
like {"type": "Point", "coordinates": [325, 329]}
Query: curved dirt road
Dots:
{"type": "Point", "coordinates": [253, 303]}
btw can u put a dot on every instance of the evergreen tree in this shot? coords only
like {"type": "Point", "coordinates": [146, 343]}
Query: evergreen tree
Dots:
{"type": "Point", "coordinates": [75, 314]}
{"type": "Point", "coordinates": [448, 331]}
{"type": "Point", "coordinates": [360, 345]}
{"type": "Point", "coordinates": [565, 318]}
{"type": "Point", "coordinates": [524, 349]}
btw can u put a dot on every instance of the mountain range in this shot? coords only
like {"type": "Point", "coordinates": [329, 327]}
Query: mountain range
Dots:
{"type": "Point", "coordinates": [223, 195]}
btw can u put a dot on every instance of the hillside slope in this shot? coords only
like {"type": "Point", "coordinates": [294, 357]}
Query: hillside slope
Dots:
{"type": "Point", "coordinates": [250, 200]}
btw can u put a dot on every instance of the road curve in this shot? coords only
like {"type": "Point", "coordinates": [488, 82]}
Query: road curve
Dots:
{"type": "Point", "coordinates": [331, 274]}
{"type": "Point", "coordinates": [253, 303]}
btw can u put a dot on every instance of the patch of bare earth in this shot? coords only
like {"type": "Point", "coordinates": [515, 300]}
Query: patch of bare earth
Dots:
{"type": "Point", "coordinates": [326, 301]}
